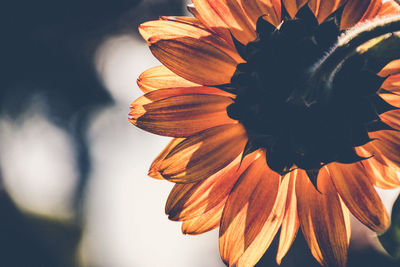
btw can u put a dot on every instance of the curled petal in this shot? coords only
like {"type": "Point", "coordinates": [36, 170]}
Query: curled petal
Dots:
{"type": "Point", "coordinates": [221, 14]}
{"type": "Point", "coordinates": [250, 219]}
{"type": "Point", "coordinates": [356, 190]}
{"type": "Point", "coordinates": [160, 77]}
{"type": "Point", "coordinates": [322, 219]}
{"type": "Point", "coordinates": [204, 154]}
{"type": "Point", "coordinates": [165, 113]}
{"type": "Point", "coordinates": [359, 10]}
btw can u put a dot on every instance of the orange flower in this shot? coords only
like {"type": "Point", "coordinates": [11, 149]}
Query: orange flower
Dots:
{"type": "Point", "coordinates": [279, 121]}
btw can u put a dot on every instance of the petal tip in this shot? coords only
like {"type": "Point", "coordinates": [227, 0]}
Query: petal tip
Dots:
{"type": "Point", "coordinates": [153, 173]}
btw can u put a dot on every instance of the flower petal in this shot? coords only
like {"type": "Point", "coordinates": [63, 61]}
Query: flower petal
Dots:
{"type": "Point", "coordinates": [170, 28]}
{"type": "Point", "coordinates": [321, 219]}
{"type": "Point", "coordinates": [392, 118]}
{"type": "Point", "coordinates": [356, 190]}
{"type": "Point", "coordinates": [347, 221]}
{"type": "Point", "coordinates": [195, 60]}
{"type": "Point", "coordinates": [250, 221]}
{"type": "Point", "coordinates": [202, 155]}
{"type": "Point", "coordinates": [359, 10]}
{"type": "Point", "coordinates": [392, 84]}
{"type": "Point", "coordinates": [256, 8]}
{"type": "Point", "coordinates": [388, 8]}
{"type": "Point", "coordinates": [263, 239]}
{"type": "Point", "coordinates": [290, 223]}
{"type": "Point", "coordinates": [191, 51]}
{"type": "Point", "coordinates": [221, 14]}
{"type": "Point", "coordinates": [160, 77]}
{"type": "Point", "coordinates": [205, 222]}
{"type": "Point", "coordinates": [323, 8]}
{"type": "Point", "coordinates": [292, 6]}
{"type": "Point", "coordinates": [165, 113]}
{"type": "Point", "coordinates": [187, 201]}
{"type": "Point", "coordinates": [154, 168]}
{"type": "Point", "coordinates": [392, 68]}
{"type": "Point", "coordinates": [386, 148]}
{"type": "Point", "coordinates": [382, 175]}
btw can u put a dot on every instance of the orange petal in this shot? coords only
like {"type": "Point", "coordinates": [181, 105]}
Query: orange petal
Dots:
{"type": "Point", "coordinates": [392, 84]}
{"type": "Point", "coordinates": [392, 118]}
{"type": "Point", "coordinates": [154, 168]}
{"type": "Point", "coordinates": [161, 94]}
{"type": "Point", "coordinates": [374, 148]}
{"type": "Point", "coordinates": [382, 176]}
{"type": "Point", "coordinates": [386, 148]}
{"type": "Point", "coordinates": [187, 201]}
{"type": "Point", "coordinates": [356, 190]}
{"type": "Point", "coordinates": [195, 60]}
{"type": "Point", "coordinates": [321, 219]}
{"type": "Point", "coordinates": [290, 223]}
{"type": "Point", "coordinates": [347, 221]}
{"type": "Point", "coordinates": [270, 228]}
{"type": "Point", "coordinates": [220, 15]}
{"type": "Point", "coordinates": [392, 68]}
{"type": "Point", "coordinates": [392, 99]}
{"type": "Point", "coordinates": [160, 77]}
{"type": "Point", "coordinates": [181, 115]}
{"type": "Point", "coordinates": [204, 154]}
{"type": "Point", "coordinates": [388, 8]}
{"type": "Point", "coordinates": [250, 220]}
{"type": "Point", "coordinates": [187, 20]}
{"type": "Point", "coordinates": [359, 10]}
{"type": "Point", "coordinates": [292, 6]}
{"type": "Point", "coordinates": [205, 222]}
{"type": "Point", "coordinates": [323, 8]}
{"type": "Point", "coordinates": [256, 8]}
{"type": "Point", "coordinates": [172, 28]}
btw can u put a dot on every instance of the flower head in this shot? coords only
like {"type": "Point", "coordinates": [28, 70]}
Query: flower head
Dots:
{"type": "Point", "coordinates": [281, 117]}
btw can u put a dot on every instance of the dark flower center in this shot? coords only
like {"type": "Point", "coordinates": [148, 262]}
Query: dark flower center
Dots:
{"type": "Point", "coordinates": [300, 123]}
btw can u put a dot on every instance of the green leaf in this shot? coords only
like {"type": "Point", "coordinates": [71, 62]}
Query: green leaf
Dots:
{"type": "Point", "coordinates": [390, 240]}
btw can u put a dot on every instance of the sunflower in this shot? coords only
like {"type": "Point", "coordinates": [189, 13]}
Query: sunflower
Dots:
{"type": "Point", "coordinates": [284, 116]}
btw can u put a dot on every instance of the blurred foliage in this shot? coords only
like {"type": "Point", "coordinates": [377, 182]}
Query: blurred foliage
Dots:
{"type": "Point", "coordinates": [390, 240]}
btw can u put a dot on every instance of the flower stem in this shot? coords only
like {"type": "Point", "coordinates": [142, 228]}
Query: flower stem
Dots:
{"type": "Point", "coordinates": [323, 72]}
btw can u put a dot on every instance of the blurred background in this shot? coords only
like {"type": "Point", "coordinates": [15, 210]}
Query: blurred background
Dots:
{"type": "Point", "coordinates": [73, 183]}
